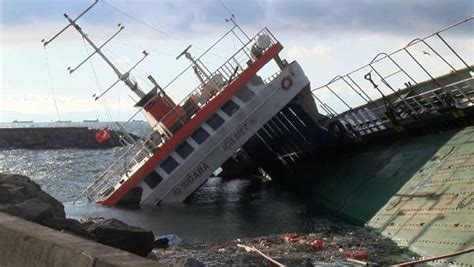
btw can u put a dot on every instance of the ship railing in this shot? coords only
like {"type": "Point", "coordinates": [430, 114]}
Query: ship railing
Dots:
{"type": "Point", "coordinates": [459, 94]}
{"type": "Point", "coordinates": [143, 148]}
{"type": "Point", "coordinates": [218, 80]}
{"type": "Point", "coordinates": [237, 59]}
{"type": "Point", "coordinates": [403, 85]}
{"type": "Point", "coordinates": [124, 165]}
{"type": "Point", "coordinates": [103, 178]}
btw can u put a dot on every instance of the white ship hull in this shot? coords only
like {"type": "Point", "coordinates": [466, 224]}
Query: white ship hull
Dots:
{"type": "Point", "coordinates": [193, 171]}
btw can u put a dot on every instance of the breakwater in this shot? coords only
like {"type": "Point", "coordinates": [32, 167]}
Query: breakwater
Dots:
{"type": "Point", "coordinates": [26, 243]}
{"type": "Point", "coordinates": [55, 138]}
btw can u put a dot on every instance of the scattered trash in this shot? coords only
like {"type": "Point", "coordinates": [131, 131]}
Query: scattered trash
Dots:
{"type": "Point", "coordinates": [292, 238]}
{"type": "Point", "coordinates": [167, 240]}
{"type": "Point", "coordinates": [358, 255]}
{"type": "Point", "coordinates": [428, 259]}
{"type": "Point", "coordinates": [317, 244]}
{"type": "Point", "coordinates": [363, 263]}
{"type": "Point", "coordinates": [253, 249]}
{"type": "Point", "coordinates": [297, 252]}
{"type": "Point", "coordinates": [161, 243]}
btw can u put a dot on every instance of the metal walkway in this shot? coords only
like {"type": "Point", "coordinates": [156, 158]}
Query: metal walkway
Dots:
{"type": "Point", "coordinates": [427, 77]}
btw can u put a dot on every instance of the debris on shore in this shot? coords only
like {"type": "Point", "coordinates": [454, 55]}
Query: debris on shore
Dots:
{"type": "Point", "coordinates": [340, 244]}
{"type": "Point", "coordinates": [329, 243]}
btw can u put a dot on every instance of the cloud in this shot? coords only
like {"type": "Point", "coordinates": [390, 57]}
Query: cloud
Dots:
{"type": "Point", "coordinates": [297, 51]}
{"type": "Point", "coordinates": [184, 17]}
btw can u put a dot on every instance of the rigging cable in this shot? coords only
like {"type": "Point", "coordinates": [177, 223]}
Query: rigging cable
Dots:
{"type": "Point", "coordinates": [104, 103]}
{"type": "Point", "coordinates": [51, 83]}
{"type": "Point", "coordinates": [153, 27]}
{"type": "Point", "coordinates": [141, 21]}
{"type": "Point", "coordinates": [228, 10]}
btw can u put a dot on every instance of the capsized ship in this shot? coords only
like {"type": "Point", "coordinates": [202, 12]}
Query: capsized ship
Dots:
{"type": "Point", "coordinates": [190, 139]}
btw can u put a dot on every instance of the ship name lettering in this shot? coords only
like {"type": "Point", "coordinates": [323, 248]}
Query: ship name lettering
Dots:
{"type": "Point", "coordinates": [230, 141]}
{"type": "Point", "coordinates": [193, 176]}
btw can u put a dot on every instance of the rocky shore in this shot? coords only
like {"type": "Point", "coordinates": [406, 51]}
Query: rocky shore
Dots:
{"type": "Point", "coordinates": [22, 197]}
{"type": "Point", "coordinates": [331, 243]}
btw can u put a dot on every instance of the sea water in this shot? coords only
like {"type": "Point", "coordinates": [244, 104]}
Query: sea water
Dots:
{"type": "Point", "coordinates": [219, 210]}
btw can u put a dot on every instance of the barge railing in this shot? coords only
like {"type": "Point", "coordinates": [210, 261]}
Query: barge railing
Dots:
{"type": "Point", "coordinates": [401, 86]}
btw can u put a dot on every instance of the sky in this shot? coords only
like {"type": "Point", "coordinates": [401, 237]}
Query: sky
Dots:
{"type": "Point", "coordinates": [326, 37]}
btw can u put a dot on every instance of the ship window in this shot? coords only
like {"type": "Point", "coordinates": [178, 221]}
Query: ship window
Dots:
{"type": "Point", "coordinates": [169, 164]}
{"type": "Point", "coordinates": [230, 108]}
{"type": "Point", "coordinates": [153, 179]}
{"type": "Point", "coordinates": [215, 121]}
{"type": "Point", "coordinates": [184, 150]}
{"type": "Point", "coordinates": [245, 94]}
{"type": "Point", "coordinates": [200, 135]}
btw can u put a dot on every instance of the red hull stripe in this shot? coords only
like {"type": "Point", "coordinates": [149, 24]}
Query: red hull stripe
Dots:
{"type": "Point", "coordinates": [191, 125]}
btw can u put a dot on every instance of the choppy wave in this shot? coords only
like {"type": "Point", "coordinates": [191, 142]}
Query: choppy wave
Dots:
{"type": "Point", "coordinates": [219, 210]}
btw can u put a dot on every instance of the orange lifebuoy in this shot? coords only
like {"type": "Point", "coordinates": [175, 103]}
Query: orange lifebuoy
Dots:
{"type": "Point", "coordinates": [102, 136]}
{"type": "Point", "coordinates": [286, 82]}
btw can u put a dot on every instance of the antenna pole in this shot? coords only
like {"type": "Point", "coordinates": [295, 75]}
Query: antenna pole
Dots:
{"type": "Point", "coordinates": [97, 49]}
{"type": "Point", "coordinates": [45, 43]}
{"type": "Point", "coordinates": [125, 77]}
{"type": "Point", "coordinates": [232, 19]}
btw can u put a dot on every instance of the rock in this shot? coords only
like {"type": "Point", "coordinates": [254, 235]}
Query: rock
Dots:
{"type": "Point", "coordinates": [31, 209]}
{"type": "Point", "coordinates": [117, 234]}
{"type": "Point", "coordinates": [66, 224]}
{"type": "Point", "coordinates": [20, 196]}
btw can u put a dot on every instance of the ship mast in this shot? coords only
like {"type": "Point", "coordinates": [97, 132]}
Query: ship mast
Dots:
{"type": "Point", "coordinates": [124, 77]}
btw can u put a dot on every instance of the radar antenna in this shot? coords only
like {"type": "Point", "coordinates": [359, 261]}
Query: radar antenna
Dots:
{"type": "Point", "coordinates": [198, 69]}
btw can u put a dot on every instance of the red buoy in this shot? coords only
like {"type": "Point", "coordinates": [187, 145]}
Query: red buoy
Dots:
{"type": "Point", "coordinates": [317, 244]}
{"type": "Point", "coordinates": [102, 136]}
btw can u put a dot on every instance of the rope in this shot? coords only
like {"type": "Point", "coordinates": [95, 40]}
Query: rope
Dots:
{"type": "Point", "coordinates": [142, 22]}
{"type": "Point", "coordinates": [153, 27]}
{"type": "Point", "coordinates": [51, 83]}
{"type": "Point", "coordinates": [119, 105]}
{"type": "Point", "coordinates": [228, 10]}
{"type": "Point", "coordinates": [106, 107]}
